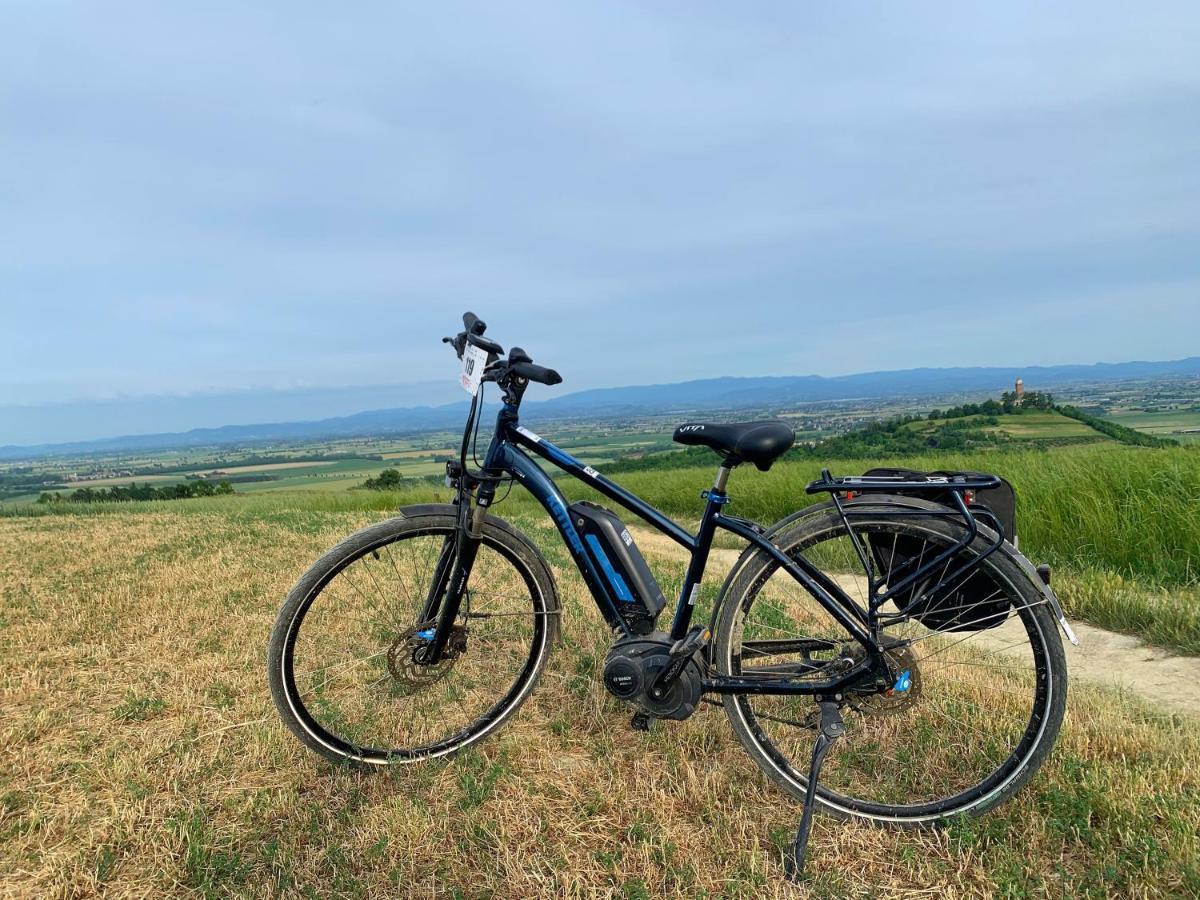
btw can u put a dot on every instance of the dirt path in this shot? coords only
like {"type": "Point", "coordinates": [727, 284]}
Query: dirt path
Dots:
{"type": "Point", "coordinates": [1119, 660]}
{"type": "Point", "coordinates": [1158, 676]}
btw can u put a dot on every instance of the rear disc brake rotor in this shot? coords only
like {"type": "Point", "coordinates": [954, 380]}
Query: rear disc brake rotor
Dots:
{"type": "Point", "coordinates": [907, 691]}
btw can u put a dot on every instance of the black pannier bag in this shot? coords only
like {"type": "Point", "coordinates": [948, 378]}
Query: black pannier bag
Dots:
{"type": "Point", "coordinates": [970, 605]}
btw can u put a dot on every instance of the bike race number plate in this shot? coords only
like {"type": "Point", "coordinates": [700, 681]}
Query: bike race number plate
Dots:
{"type": "Point", "coordinates": [474, 362]}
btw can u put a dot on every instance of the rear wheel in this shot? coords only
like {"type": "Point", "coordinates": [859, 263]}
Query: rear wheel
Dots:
{"type": "Point", "coordinates": [983, 707]}
{"type": "Point", "coordinates": [344, 658]}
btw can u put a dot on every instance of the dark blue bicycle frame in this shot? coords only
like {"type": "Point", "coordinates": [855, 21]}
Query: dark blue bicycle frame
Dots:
{"type": "Point", "coordinates": [505, 456]}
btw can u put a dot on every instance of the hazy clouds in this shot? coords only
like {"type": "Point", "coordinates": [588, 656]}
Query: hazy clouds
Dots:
{"type": "Point", "coordinates": [229, 195]}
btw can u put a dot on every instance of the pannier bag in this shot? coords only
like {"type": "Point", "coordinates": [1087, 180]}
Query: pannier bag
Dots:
{"type": "Point", "coordinates": [976, 601]}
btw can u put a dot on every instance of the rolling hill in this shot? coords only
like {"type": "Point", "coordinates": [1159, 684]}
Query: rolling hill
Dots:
{"type": "Point", "coordinates": [688, 396]}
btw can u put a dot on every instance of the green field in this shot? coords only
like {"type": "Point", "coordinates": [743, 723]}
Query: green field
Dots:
{"type": "Point", "coordinates": [418, 457]}
{"type": "Point", "coordinates": [1033, 425]}
{"type": "Point", "coordinates": [1170, 423]}
{"type": "Point", "coordinates": [1040, 425]}
{"type": "Point", "coordinates": [334, 474]}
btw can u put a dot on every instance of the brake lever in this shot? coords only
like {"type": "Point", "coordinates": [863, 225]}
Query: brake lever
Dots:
{"type": "Point", "coordinates": [495, 369]}
{"type": "Point", "coordinates": [488, 346]}
{"type": "Point", "coordinates": [460, 344]}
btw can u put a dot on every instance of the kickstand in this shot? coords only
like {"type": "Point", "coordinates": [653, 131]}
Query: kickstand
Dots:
{"type": "Point", "coordinates": [832, 728]}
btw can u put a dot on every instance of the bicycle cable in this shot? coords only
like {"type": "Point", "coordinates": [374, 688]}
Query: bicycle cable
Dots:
{"type": "Point", "coordinates": [471, 421]}
{"type": "Point", "coordinates": [510, 481]}
{"type": "Point", "coordinates": [475, 449]}
{"type": "Point", "coordinates": [475, 436]}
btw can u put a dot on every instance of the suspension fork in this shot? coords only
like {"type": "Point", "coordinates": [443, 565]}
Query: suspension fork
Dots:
{"type": "Point", "coordinates": [451, 575]}
{"type": "Point", "coordinates": [441, 574]}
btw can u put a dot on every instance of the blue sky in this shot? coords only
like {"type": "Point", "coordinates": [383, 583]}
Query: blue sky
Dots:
{"type": "Point", "coordinates": [223, 198]}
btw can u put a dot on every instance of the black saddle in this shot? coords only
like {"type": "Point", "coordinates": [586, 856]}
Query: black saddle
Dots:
{"type": "Point", "coordinates": [760, 443]}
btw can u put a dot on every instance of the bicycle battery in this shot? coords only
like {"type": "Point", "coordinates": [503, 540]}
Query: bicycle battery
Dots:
{"type": "Point", "coordinates": [620, 563]}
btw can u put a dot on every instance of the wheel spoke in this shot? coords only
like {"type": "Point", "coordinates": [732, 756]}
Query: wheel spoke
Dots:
{"type": "Point", "coordinates": [969, 708]}
{"type": "Point", "coordinates": [341, 667]}
{"type": "Point", "coordinates": [343, 638]}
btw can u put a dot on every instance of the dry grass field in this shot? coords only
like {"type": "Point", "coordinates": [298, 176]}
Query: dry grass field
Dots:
{"type": "Point", "coordinates": [140, 755]}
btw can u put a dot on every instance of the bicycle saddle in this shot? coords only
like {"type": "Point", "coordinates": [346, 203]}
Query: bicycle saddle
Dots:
{"type": "Point", "coordinates": [760, 443]}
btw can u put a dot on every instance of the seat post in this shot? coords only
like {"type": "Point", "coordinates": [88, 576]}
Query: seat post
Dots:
{"type": "Point", "coordinates": [722, 478]}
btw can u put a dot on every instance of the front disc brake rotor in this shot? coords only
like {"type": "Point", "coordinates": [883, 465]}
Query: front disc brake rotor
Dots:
{"type": "Point", "coordinates": [403, 657]}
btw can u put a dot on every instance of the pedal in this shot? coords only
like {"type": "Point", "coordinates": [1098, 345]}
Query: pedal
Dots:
{"type": "Point", "coordinates": [832, 728]}
{"type": "Point", "coordinates": [641, 721]}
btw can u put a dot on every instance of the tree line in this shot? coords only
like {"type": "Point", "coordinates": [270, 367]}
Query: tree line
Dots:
{"type": "Point", "coordinates": [387, 480]}
{"type": "Point", "coordinates": [139, 492]}
{"type": "Point", "coordinates": [1008, 404]}
{"type": "Point", "coordinates": [1117, 432]}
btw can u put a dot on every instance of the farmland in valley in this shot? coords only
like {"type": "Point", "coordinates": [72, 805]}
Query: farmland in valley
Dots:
{"type": "Point", "coordinates": [1182, 425]}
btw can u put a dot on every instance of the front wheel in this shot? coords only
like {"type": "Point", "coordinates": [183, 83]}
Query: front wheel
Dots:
{"type": "Point", "coordinates": [987, 673]}
{"type": "Point", "coordinates": [344, 658]}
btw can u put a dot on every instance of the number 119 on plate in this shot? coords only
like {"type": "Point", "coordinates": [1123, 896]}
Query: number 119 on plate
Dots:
{"type": "Point", "coordinates": [474, 362]}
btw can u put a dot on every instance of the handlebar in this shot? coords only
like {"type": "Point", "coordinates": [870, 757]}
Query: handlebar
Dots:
{"type": "Point", "coordinates": [472, 333]}
{"type": "Point", "coordinates": [519, 362]}
{"type": "Point", "coordinates": [473, 324]}
{"type": "Point", "coordinates": [522, 365]}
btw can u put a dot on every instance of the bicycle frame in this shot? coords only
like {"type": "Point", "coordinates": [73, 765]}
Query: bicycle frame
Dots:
{"type": "Point", "coordinates": [506, 456]}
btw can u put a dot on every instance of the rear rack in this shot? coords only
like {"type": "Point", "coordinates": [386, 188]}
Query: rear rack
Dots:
{"type": "Point", "coordinates": [880, 590]}
{"type": "Point", "coordinates": [885, 484]}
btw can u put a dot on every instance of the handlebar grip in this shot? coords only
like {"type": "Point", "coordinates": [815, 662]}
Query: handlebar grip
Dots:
{"type": "Point", "coordinates": [473, 328]}
{"type": "Point", "coordinates": [537, 373]}
{"type": "Point", "coordinates": [472, 324]}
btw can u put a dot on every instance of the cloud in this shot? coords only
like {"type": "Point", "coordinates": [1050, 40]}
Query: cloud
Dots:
{"type": "Point", "coordinates": [205, 198]}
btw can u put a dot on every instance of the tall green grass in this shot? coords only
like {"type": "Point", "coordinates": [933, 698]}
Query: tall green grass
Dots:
{"type": "Point", "coordinates": [1165, 615]}
{"type": "Point", "coordinates": [1131, 510]}
{"type": "Point", "coordinates": [1120, 524]}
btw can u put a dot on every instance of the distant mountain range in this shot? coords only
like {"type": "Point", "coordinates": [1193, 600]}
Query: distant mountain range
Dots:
{"type": "Point", "coordinates": [684, 397]}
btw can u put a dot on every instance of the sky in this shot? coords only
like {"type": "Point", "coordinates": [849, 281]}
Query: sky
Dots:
{"type": "Point", "coordinates": [209, 208]}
